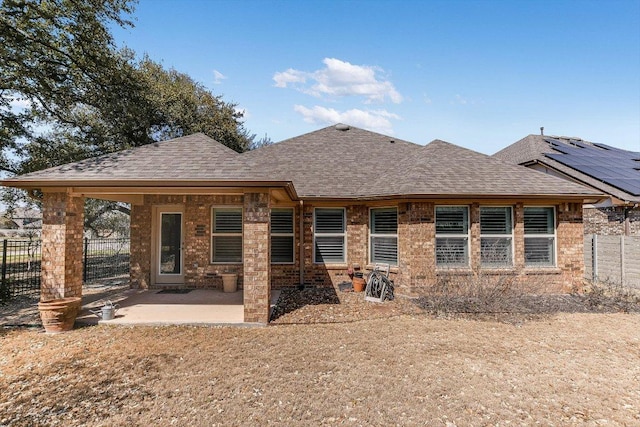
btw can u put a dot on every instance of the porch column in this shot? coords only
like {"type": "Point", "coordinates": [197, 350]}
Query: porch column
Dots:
{"type": "Point", "coordinates": [256, 257]}
{"type": "Point", "coordinates": [62, 233]}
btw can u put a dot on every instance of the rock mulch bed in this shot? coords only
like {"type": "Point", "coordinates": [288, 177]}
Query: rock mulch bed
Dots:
{"type": "Point", "coordinates": [326, 305]}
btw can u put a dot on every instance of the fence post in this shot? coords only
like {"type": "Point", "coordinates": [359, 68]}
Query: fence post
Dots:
{"type": "Point", "coordinates": [594, 257]}
{"type": "Point", "coordinates": [622, 267]}
{"type": "Point", "coordinates": [85, 263]}
{"type": "Point", "coordinates": [3, 285]}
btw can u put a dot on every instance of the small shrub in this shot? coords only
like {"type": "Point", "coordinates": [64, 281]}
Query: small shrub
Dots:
{"type": "Point", "coordinates": [478, 293]}
{"type": "Point", "coordinates": [610, 296]}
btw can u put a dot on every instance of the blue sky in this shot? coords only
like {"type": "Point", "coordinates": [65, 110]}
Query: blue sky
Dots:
{"type": "Point", "coordinates": [481, 74]}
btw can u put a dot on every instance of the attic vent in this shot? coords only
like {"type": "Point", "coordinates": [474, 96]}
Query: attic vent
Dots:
{"type": "Point", "coordinates": [342, 127]}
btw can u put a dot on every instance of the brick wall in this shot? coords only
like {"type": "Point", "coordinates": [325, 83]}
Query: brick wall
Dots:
{"type": "Point", "coordinates": [62, 233]}
{"type": "Point", "coordinates": [257, 259]}
{"type": "Point", "coordinates": [570, 234]}
{"type": "Point", "coordinates": [140, 232]}
{"type": "Point", "coordinates": [199, 272]}
{"type": "Point", "coordinates": [416, 245]}
{"type": "Point", "coordinates": [288, 275]}
{"type": "Point", "coordinates": [611, 221]}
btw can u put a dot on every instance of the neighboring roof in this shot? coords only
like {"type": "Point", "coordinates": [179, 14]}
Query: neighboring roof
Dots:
{"type": "Point", "coordinates": [337, 162]}
{"type": "Point", "coordinates": [604, 168]}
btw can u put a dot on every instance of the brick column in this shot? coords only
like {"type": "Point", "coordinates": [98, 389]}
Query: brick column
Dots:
{"type": "Point", "coordinates": [475, 236]}
{"type": "Point", "coordinates": [256, 257]}
{"type": "Point", "coordinates": [518, 236]}
{"type": "Point", "coordinates": [62, 233]}
{"type": "Point", "coordinates": [570, 234]}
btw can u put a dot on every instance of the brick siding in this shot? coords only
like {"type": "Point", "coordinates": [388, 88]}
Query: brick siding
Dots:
{"type": "Point", "coordinates": [610, 221]}
{"type": "Point", "coordinates": [416, 247]}
{"type": "Point", "coordinates": [62, 233]}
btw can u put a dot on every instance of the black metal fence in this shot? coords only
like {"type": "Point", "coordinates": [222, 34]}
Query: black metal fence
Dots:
{"type": "Point", "coordinates": [105, 258]}
{"type": "Point", "coordinates": [21, 266]}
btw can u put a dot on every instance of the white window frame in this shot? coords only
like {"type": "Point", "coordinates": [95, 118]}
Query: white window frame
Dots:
{"type": "Point", "coordinates": [292, 235]}
{"type": "Point", "coordinates": [381, 235]}
{"type": "Point", "coordinates": [554, 236]}
{"type": "Point", "coordinates": [343, 235]}
{"type": "Point", "coordinates": [499, 236]}
{"type": "Point", "coordinates": [466, 236]}
{"type": "Point", "coordinates": [214, 234]}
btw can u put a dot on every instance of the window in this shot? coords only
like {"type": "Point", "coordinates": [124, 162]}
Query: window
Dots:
{"type": "Point", "coordinates": [383, 233]}
{"type": "Point", "coordinates": [282, 240]}
{"type": "Point", "coordinates": [226, 235]}
{"type": "Point", "coordinates": [329, 235]}
{"type": "Point", "coordinates": [539, 237]}
{"type": "Point", "coordinates": [452, 236]}
{"type": "Point", "coordinates": [496, 236]}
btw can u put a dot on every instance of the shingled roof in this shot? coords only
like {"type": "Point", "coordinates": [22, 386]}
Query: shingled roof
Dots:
{"type": "Point", "coordinates": [336, 162]}
{"type": "Point", "coordinates": [604, 168]}
{"type": "Point", "coordinates": [193, 157]}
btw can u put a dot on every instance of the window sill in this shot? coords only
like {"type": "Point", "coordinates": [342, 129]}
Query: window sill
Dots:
{"type": "Point", "coordinates": [392, 269]}
{"type": "Point", "coordinates": [541, 270]}
{"type": "Point", "coordinates": [498, 270]}
{"type": "Point", "coordinates": [453, 270]}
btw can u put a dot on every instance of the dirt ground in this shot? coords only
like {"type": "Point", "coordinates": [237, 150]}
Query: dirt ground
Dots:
{"type": "Point", "coordinates": [403, 368]}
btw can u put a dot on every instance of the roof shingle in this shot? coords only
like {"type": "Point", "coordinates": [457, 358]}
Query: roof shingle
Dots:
{"type": "Point", "coordinates": [339, 162]}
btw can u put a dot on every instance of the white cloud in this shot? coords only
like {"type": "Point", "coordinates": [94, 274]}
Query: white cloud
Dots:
{"type": "Point", "coordinates": [340, 78]}
{"type": "Point", "coordinates": [290, 76]}
{"type": "Point", "coordinates": [375, 120]}
{"type": "Point", "coordinates": [218, 77]}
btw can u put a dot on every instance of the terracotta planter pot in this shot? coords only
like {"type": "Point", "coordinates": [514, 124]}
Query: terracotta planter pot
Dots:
{"type": "Point", "coordinates": [229, 282]}
{"type": "Point", "coordinates": [59, 315]}
{"type": "Point", "coordinates": [359, 284]}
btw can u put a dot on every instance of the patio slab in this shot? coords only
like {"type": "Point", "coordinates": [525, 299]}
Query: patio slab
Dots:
{"type": "Point", "coordinates": [150, 307]}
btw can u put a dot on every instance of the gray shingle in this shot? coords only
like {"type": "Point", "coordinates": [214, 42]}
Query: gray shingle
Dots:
{"type": "Point", "coordinates": [327, 163]}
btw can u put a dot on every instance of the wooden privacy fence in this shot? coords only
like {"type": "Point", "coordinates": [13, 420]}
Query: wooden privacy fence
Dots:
{"type": "Point", "coordinates": [612, 258]}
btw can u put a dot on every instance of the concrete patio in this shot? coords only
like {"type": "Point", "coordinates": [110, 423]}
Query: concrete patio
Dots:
{"type": "Point", "coordinates": [152, 307]}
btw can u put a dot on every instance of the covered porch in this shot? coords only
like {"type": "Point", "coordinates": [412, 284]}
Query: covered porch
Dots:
{"type": "Point", "coordinates": [156, 307]}
{"type": "Point", "coordinates": [173, 254]}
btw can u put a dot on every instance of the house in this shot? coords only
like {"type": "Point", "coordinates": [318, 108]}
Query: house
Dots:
{"type": "Point", "coordinates": [305, 209]}
{"type": "Point", "coordinates": [603, 168]}
{"type": "Point", "coordinates": [20, 222]}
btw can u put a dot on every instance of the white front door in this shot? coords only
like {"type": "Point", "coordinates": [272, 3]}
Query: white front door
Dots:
{"type": "Point", "coordinates": [168, 248]}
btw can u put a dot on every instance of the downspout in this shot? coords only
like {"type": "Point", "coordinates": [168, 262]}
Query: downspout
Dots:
{"type": "Point", "coordinates": [301, 239]}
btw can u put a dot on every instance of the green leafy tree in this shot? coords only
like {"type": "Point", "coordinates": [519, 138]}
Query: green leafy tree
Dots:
{"type": "Point", "coordinates": [81, 97]}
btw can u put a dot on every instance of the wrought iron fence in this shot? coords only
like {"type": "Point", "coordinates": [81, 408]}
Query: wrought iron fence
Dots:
{"type": "Point", "coordinates": [105, 258]}
{"type": "Point", "coordinates": [21, 266]}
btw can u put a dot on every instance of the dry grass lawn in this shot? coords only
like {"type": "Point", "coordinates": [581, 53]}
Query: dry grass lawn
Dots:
{"type": "Point", "coordinates": [566, 369]}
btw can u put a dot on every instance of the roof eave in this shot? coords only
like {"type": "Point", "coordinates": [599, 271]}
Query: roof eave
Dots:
{"type": "Point", "coordinates": [43, 184]}
{"type": "Point", "coordinates": [583, 198]}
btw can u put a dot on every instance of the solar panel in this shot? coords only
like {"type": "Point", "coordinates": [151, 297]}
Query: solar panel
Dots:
{"type": "Point", "coordinates": [613, 166]}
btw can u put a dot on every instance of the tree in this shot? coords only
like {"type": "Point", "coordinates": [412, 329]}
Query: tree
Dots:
{"type": "Point", "coordinates": [258, 143]}
{"type": "Point", "coordinates": [54, 56]}
{"type": "Point", "coordinates": [82, 97]}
